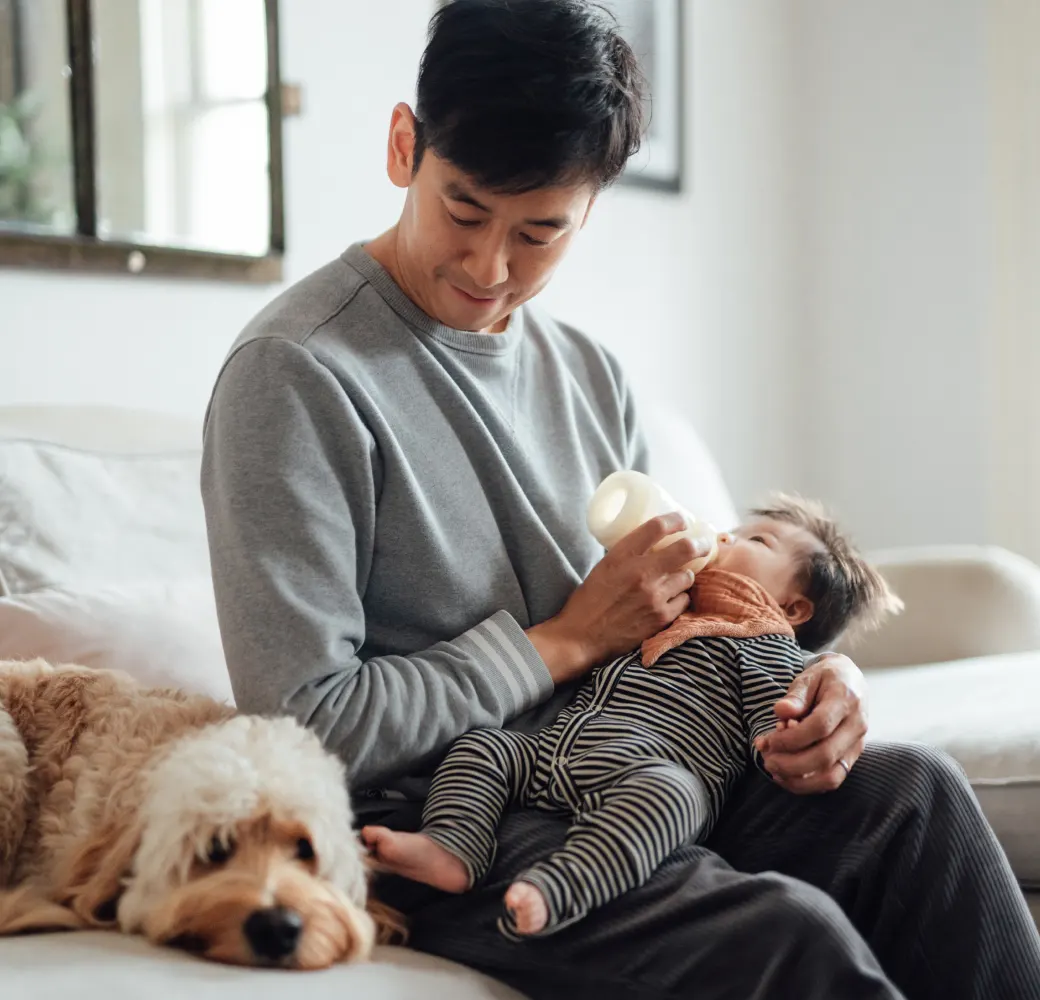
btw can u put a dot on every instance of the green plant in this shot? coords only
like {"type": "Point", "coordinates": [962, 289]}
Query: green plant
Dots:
{"type": "Point", "coordinates": [22, 162]}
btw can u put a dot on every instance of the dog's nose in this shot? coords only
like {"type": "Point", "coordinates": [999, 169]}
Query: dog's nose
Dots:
{"type": "Point", "coordinates": [273, 933]}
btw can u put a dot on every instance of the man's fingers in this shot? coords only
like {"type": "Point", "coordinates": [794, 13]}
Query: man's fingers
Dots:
{"type": "Point", "coordinates": [817, 755]}
{"type": "Point", "coordinates": [647, 535]}
{"type": "Point", "coordinates": [675, 555]}
{"type": "Point", "coordinates": [855, 751]}
{"type": "Point", "coordinates": [821, 722]}
{"type": "Point", "coordinates": [820, 757]}
{"type": "Point", "coordinates": [824, 781]}
{"type": "Point", "coordinates": [678, 604]}
{"type": "Point", "coordinates": [814, 784]}
{"type": "Point", "coordinates": [800, 697]}
{"type": "Point", "coordinates": [677, 583]}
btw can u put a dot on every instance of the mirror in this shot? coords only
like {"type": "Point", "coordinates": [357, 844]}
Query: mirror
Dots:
{"type": "Point", "coordinates": [141, 135]}
{"type": "Point", "coordinates": [36, 179]}
{"type": "Point", "coordinates": [182, 123]}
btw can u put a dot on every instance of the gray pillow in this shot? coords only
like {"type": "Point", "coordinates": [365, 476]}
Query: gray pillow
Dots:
{"type": "Point", "coordinates": [72, 517]}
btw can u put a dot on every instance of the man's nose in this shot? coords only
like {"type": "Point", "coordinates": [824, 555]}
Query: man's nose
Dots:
{"type": "Point", "coordinates": [488, 264]}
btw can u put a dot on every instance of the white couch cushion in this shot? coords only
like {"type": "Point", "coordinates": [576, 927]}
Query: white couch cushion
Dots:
{"type": "Point", "coordinates": [74, 518]}
{"type": "Point", "coordinates": [98, 966]}
{"type": "Point", "coordinates": [961, 601]}
{"type": "Point", "coordinates": [983, 712]}
{"type": "Point", "coordinates": [90, 427]}
{"type": "Point", "coordinates": [162, 633]}
{"type": "Point", "coordinates": [682, 464]}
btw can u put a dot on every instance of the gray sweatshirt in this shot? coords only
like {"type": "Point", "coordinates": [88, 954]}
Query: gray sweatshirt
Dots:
{"type": "Point", "coordinates": [391, 502]}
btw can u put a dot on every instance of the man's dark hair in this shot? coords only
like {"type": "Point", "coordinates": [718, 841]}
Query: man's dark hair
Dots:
{"type": "Point", "coordinates": [525, 94]}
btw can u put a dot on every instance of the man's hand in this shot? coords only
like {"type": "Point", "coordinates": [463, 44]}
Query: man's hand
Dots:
{"type": "Point", "coordinates": [827, 701]}
{"type": "Point", "coordinates": [630, 595]}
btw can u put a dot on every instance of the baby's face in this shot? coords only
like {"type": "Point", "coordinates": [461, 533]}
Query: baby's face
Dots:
{"type": "Point", "coordinates": [772, 553]}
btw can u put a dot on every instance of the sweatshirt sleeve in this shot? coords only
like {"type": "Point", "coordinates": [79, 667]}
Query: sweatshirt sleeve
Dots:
{"type": "Point", "coordinates": [767, 668]}
{"type": "Point", "coordinates": [290, 484]}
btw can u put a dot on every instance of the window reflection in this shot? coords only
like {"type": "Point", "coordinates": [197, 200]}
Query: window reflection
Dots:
{"type": "Point", "coordinates": [36, 174]}
{"type": "Point", "coordinates": [182, 126]}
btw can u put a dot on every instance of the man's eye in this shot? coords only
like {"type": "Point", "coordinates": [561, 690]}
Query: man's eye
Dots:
{"type": "Point", "coordinates": [465, 223]}
{"type": "Point", "coordinates": [532, 242]}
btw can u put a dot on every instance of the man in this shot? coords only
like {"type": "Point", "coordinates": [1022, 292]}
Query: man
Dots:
{"type": "Point", "coordinates": [398, 456]}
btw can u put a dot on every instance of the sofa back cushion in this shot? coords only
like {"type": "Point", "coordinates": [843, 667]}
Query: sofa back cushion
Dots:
{"type": "Point", "coordinates": [91, 496]}
{"type": "Point", "coordinates": [681, 462]}
{"type": "Point", "coordinates": [162, 633]}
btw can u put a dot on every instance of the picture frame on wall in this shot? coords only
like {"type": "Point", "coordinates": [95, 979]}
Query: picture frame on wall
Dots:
{"type": "Point", "coordinates": [654, 29]}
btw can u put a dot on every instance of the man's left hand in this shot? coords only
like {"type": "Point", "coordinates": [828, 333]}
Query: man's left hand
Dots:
{"type": "Point", "coordinates": [827, 705]}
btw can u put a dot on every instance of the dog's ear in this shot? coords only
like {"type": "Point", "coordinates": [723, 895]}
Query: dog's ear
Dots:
{"type": "Point", "coordinates": [93, 881]}
{"type": "Point", "coordinates": [391, 926]}
{"type": "Point", "coordinates": [28, 909]}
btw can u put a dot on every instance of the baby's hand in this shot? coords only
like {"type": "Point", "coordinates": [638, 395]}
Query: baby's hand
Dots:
{"type": "Point", "coordinates": [781, 724]}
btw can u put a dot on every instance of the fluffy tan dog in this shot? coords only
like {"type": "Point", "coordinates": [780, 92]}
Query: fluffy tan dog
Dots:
{"type": "Point", "coordinates": [168, 815]}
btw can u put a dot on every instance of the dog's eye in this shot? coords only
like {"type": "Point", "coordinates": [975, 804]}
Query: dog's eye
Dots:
{"type": "Point", "coordinates": [107, 911]}
{"type": "Point", "coordinates": [218, 852]}
{"type": "Point", "coordinates": [304, 849]}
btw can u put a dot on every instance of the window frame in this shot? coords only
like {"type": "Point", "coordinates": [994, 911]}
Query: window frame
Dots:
{"type": "Point", "coordinates": [84, 250]}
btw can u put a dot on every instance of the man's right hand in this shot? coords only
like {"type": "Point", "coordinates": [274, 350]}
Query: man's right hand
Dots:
{"type": "Point", "coordinates": [630, 595]}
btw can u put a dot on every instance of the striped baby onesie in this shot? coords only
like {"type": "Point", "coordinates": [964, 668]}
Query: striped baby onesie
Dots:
{"type": "Point", "coordinates": [642, 759]}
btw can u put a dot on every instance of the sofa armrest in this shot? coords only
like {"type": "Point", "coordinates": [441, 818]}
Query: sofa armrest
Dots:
{"type": "Point", "coordinates": [961, 602]}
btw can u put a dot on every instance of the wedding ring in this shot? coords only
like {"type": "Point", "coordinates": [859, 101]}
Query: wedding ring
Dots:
{"type": "Point", "coordinates": [845, 764]}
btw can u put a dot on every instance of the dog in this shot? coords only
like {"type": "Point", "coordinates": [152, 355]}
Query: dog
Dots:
{"type": "Point", "coordinates": [167, 814]}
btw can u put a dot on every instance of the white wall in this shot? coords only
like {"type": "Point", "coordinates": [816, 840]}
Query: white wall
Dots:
{"type": "Point", "coordinates": [817, 300]}
{"type": "Point", "coordinates": [697, 294]}
{"type": "Point", "coordinates": [159, 344]}
{"type": "Point", "coordinates": [894, 239]}
{"type": "Point", "coordinates": [1014, 328]}
{"type": "Point", "coordinates": [677, 286]}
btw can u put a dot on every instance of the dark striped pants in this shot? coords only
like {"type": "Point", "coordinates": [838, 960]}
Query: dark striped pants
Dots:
{"type": "Point", "coordinates": [892, 886]}
{"type": "Point", "coordinates": [626, 817]}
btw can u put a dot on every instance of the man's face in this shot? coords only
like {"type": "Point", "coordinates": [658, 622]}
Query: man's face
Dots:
{"type": "Point", "coordinates": [469, 257]}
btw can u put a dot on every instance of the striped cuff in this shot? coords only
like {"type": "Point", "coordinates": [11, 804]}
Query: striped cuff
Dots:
{"type": "Point", "coordinates": [516, 669]}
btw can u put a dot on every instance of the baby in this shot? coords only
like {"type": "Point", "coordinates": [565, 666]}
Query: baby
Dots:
{"type": "Point", "coordinates": [643, 757]}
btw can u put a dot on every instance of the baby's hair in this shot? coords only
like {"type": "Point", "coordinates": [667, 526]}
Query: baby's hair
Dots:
{"type": "Point", "coordinates": [846, 591]}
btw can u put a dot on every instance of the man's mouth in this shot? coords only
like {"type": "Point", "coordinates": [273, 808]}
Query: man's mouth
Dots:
{"type": "Point", "coordinates": [477, 300]}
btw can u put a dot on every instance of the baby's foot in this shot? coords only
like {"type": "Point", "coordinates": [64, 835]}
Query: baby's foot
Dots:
{"type": "Point", "coordinates": [416, 856]}
{"type": "Point", "coordinates": [527, 907]}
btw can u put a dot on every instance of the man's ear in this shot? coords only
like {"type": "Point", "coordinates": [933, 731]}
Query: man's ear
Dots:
{"type": "Point", "coordinates": [400, 147]}
{"type": "Point", "coordinates": [93, 881]}
{"type": "Point", "coordinates": [799, 611]}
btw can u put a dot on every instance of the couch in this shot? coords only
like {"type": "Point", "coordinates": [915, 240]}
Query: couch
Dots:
{"type": "Point", "coordinates": [103, 561]}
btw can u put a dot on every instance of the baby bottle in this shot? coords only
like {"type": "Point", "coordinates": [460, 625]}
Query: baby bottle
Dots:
{"type": "Point", "coordinates": [627, 499]}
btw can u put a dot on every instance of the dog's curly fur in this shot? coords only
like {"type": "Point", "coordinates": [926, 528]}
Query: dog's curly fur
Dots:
{"type": "Point", "coordinates": [166, 814]}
